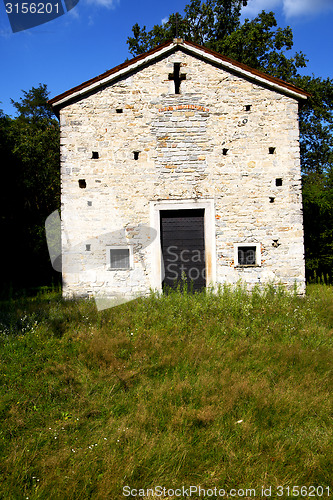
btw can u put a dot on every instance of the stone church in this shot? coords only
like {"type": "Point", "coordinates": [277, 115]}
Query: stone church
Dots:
{"type": "Point", "coordinates": [180, 164]}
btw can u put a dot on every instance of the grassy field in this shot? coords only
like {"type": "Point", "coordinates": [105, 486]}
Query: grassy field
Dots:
{"type": "Point", "coordinates": [229, 391]}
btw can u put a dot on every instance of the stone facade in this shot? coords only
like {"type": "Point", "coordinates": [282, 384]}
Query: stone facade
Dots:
{"type": "Point", "coordinates": [228, 144]}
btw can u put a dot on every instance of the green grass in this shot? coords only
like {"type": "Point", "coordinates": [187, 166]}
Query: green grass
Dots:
{"type": "Point", "coordinates": [229, 390]}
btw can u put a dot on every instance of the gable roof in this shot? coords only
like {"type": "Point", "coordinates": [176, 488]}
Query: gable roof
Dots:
{"type": "Point", "coordinates": [196, 50]}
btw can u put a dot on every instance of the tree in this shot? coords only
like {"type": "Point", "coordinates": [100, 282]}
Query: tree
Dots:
{"type": "Point", "coordinates": [202, 23]}
{"type": "Point", "coordinates": [31, 174]}
{"type": "Point", "coordinates": [33, 107]}
{"type": "Point", "coordinates": [36, 143]}
{"type": "Point", "coordinates": [261, 44]}
{"type": "Point", "coordinates": [316, 141]}
{"type": "Point", "coordinates": [318, 224]}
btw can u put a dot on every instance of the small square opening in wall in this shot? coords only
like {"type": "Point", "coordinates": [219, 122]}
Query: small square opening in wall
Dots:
{"type": "Point", "coordinates": [271, 199]}
{"type": "Point", "coordinates": [119, 257]}
{"type": "Point", "coordinates": [136, 155]}
{"type": "Point", "coordinates": [82, 183]}
{"type": "Point", "coordinates": [278, 182]}
{"type": "Point", "coordinates": [271, 150]}
{"type": "Point", "coordinates": [89, 203]}
{"type": "Point", "coordinates": [119, 110]}
{"type": "Point", "coordinates": [95, 155]}
{"type": "Point", "coordinates": [88, 248]}
{"type": "Point", "coordinates": [247, 255]}
{"type": "Point", "coordinates": [225, 151]}
{"type": "Point", "coordinates": [247, 107]}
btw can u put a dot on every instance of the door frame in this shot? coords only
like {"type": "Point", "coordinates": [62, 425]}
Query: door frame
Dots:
{"type": "Point", "coordinates": [209, 231]}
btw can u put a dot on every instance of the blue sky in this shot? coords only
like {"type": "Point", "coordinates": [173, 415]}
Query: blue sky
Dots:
{"type": "Point", "coordinates": [91, 38]}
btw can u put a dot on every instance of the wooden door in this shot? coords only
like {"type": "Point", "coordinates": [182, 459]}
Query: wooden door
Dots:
{"type": "Point", "coordinates": [183, 248]}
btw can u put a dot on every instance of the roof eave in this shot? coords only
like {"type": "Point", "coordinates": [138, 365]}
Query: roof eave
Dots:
{"type": "Point", "coordinates": [133, 64]}
{"type": "Point", "coordinates": [247, 71]}
{"type": "Point", "coordinates": [112, 74]}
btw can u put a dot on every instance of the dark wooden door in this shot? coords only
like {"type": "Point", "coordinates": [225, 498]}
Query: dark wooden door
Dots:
{"type": "Point", "coordinates": [183, 248]}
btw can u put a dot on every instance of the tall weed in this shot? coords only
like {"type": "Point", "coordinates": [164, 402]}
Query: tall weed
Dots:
{"type": "Point", "coordinates": [224, 388]}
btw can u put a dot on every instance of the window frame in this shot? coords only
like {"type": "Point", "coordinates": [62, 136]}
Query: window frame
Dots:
{"type": "Point", "coordinates": [109, 248]}
{"type": "Point", "coordinates": [257, 246]}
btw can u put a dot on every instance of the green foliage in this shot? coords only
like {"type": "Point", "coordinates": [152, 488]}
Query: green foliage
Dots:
{"type": "Point", "coordinates": [316, 123]}
{"type": "Point", "coordinates": [37, 147]}
{"type": "Point", "coordinates": [33, 106]}
{"type": "Point", "coordinates": [229, 389]}
{"type": "Point", "coordinates": [30, 146]}
{"type": "Point", "coordinates": [318, 224]}
{"type": "Point", "coordinates": [201, 22]}
{"type": "Point", "coordinates": [316, 141]}
{"type": "Point", "coordinates": [261, 45]}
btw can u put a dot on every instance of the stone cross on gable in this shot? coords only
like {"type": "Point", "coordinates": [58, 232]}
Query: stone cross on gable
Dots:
{"type": "Point", "coordinates": [177, 77]}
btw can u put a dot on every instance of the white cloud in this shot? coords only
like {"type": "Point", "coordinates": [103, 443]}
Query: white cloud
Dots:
{"type": "Point", "coordinates": [74, 13]}
{"type": "Point", "coordinates": [255, 6]}
{"type": "Point", "coordinates": [6, 33]}
{"type": "Point", "coordinates": [291, 8]}
{"type": "Point", "coordinates": [294, 8]}
{"type": "Point", "coordinates": [109, 4]}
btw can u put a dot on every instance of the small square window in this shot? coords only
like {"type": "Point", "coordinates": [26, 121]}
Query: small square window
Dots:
{"type": "Point", "coordinates": [119, 258]}
{"type": "Point", "coordinates": [247, 255]}
{"type": "Point", "coordinates": [278, 182]}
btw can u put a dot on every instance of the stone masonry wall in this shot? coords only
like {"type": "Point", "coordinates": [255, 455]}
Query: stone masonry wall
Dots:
{"type": "Point", "coordinates": [212, 140]}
